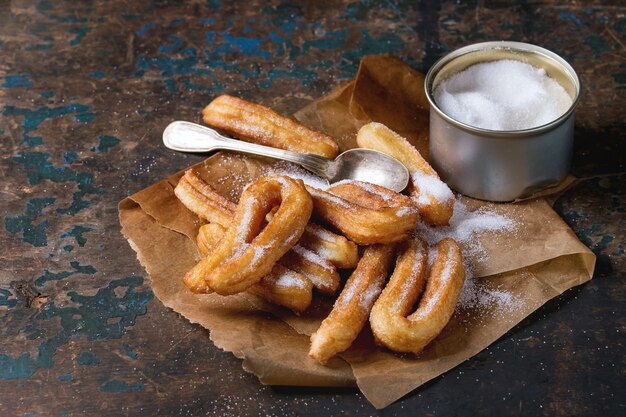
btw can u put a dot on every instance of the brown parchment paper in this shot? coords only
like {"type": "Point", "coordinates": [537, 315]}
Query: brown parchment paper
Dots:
{"type": "Point", "coordinates": [536, 262]}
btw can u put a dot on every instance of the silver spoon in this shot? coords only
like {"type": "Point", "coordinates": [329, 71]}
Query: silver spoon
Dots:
{"type": "Point", "coordinates": [355, 164]}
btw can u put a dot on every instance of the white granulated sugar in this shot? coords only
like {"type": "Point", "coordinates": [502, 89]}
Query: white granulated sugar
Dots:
{"type": "Point", "coordinates": [347, 294]}
{"type": "Point", "coordinates": [426, 308]}
{"type": "Point", "coordinates": [238, 251]}
{"type": "Point", "coordinates": [294, 237]}
{"type": "Point", "coordinates": [315, 280]}
{"type": "Point", "coordinates": [430, 188]}
{"type": "Point", "coordinates": [502, 95]}
{"type": "Point", "coordinates": [405, 211]}
{"type": "Point", "coordinates": [245, 221]}
{"type": "Point", "coordinates": [432, 255]}
{"type": "Point", "coordinates": [465, 227]}
{"type": "Point", "coordinates": [259, 253]}
{"type": "Point", "coordinates": [409, 282]}
{"type": "Point", "coordinates": [322, 234]}
{"type": "Point", "coordinates": [329, 197]}
{"type": "Point", "coordinates": [324, 252]}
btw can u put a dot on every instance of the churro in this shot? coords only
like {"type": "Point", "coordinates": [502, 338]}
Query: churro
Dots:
{"type": "Point", "coordinates": [391, 323]}
{"type": "Point", "coordinates": [202, 199]}
{"type": "Point", "coordinates": [248, 251]}
{"type": "Point", "coordinates": [430, 194]}
{"type": "Point", "coordinates": [259, 124]}
{"type": "Point", "coordinates": [366, 213]}
{"type": "Point", "coordinates": [352, 308]}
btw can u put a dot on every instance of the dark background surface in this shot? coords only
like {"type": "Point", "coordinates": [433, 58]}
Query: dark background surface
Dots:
{"type": "Point", "coordinates": [86, 88]}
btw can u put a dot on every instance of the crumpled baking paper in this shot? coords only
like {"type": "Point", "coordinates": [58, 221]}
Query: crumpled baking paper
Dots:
{"type": "Point", "coordinates": [537, 261]}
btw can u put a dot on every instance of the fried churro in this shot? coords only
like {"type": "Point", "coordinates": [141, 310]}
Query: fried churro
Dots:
{"type": "Point", "coordinates": [366, 213]}
{"type": "Point", "coordinates": [430, 194]}
{"type": "Point", "coordinates": [248, 251]}
{"type": "Point", "coordinates": [259, 124]}
{"type": "Point", "coordinates": [391, 322]}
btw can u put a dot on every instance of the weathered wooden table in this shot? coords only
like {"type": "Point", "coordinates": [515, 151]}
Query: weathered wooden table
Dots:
{"type": "Point", "coordinates": [86, 90]}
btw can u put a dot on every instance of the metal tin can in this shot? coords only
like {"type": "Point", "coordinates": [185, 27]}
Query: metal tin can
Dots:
{"type": "Point", "coordinates": [501, 165]}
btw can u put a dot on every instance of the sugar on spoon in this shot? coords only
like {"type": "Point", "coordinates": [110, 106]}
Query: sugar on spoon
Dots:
{"type": "Point", "coordinates": [354, 164]}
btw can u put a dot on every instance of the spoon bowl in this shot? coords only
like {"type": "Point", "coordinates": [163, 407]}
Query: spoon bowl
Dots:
{"type": "Point", "coordinates": [355, 164]}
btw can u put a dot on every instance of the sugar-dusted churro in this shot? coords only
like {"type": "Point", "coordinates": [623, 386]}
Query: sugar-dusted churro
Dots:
{"type": "Point", "coordinates": [366, 213]}
{"type": "Point", "coordinates": [202, 199]}
{"type": "Point", "coordinates": [248, 251]}
{"type": "Point", "coordinates": [259, 124]}
{"type": "Point", "coordinates": [391, 322]}
{"type": "Point", "coordinates": [322, 274]}
{"type": "Point", "coordinates": [430, 194]}
{"type": "Point", "coordinates": [281, 286]}
{"type": "Point", "coordinates": [352, 308]}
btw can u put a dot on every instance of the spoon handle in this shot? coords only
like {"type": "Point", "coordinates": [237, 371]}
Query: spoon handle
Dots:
{"type": "Point", "coordinates": [190, 137]}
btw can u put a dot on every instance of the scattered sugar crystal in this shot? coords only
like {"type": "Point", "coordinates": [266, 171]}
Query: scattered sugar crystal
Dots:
{"type": "Point", "coordinates": [479, 295]}
{"type": "Point", "coordinates": [330, 197]}
{"type": "Point", "coordinates": [405, 211]}
{"type": "Point", "coordinates": [502, 95]}
{"type": "Point", "coordinates": [322, 234]}
{"type": "Point", "coordinates": [259, 253]}
{"type": "Point", "coordinates": [446, 275]}
{"type": "Point", "coordinates": [465, 227]}
{"type": "Point", "coordinates": [245, 221]}
{"type": "Point", "coordinates": [369, 295]}
{"type": "Point", "coordinates": [347, 294]}
{"type": "Point", "coordinates": [408, 283]}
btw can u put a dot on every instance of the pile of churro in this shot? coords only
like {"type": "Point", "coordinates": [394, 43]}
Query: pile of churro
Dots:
{"type": "Point", "coordinates": [285, 240]}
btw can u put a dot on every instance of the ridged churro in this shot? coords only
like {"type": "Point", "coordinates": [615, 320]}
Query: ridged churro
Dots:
{"type": "Point", "coordinates": [391, 322]}
{"type": "Point", "coordinates": [248, 251]}
{"type": "Point", "coordinates": [259, 124]}
{"type": "Point", "coordinates": [202, 199]}
{"type": "Point", "coordinates": [282, 286]}
{"type": "Point", "coordinates": [352, 308]}
{"type": "Point", "coordinates": [320, 272]}
{"type": "Point", "coordinates": [430, 194]}
{"type": "Point", "coordinates": [366, 213]}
